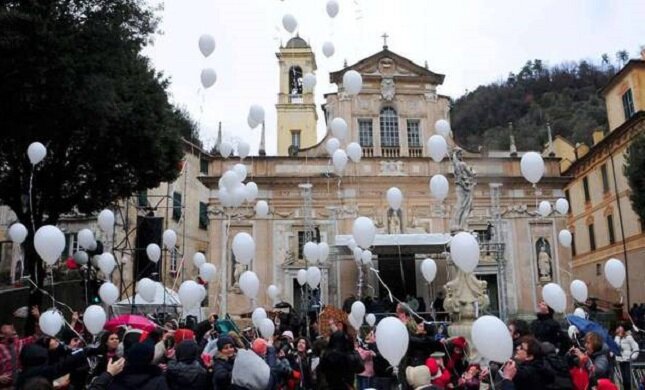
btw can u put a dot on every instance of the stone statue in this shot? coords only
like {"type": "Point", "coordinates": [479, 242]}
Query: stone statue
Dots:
{"type": "Point", "coordinates": [394, 222]}
{"type": "Point", "coordinates": [466, 297]}
{"type": "Point", "coordinates": [387, 89]}
{"type": "Point", "coordinates": [544, 264]}
{"type": "Point", "coordinates": [238, 270]}
{"type": "Point", "coordinates": [465, 185]}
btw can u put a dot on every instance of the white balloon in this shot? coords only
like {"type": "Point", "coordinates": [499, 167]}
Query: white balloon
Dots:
{"type": "Point", "coordinates": [199, 259]}
{"type": "Point", "coordinates": [355, 322]}
{"type": "Point", "coordinates": [562, 206]}
{"type": "Point", "coordinates": [243, 149]}
{"type": "Point", "coordinates": [352, 82]}
{"type": "Point", "coordinates": [208, 77]}
{"type": "Point", "coordinates": [565, 238]}
{"type": "Point", "coordinates": [366, 257]}
{"type": "Point", "coordinates": [339, 128]}
{"type": "Point", "coordinates": [370, 319]}
{"type": "Point", "coordinates": [301, 277]}
{"type": "Point", "coordinates": [464, 251]}
{"type": "Point", "coordinates": [190, 294]}
{"type": "Point", "coordinates": [251, 191]}
{"type": "Point", "coordinates": [273, 291]}
{"type": "Point", "coordinates": [94, 319]}
{"type": "Point", "coordinates": [579, 291]}
{"type": "Point", "coordinates": [240, 169]}
{"type": "Point", "coordinates": [394, 198]}
{"type": "Point", "coordinates": [230, 179]}
{"type": "Point", "coordinates": [358, 255]}
{"type": "Point", "coordinates": [50, 322]}
{"type": "Point", "coordinates": [147, 289]}
{"type": "Point", "coordinates": [289, 23]}
{"type": "Point", "coordinates": [249, 284]}
{"type": "Point", "coordinates": [392, 340]}
{"type": "Point", "coordinates": [442, 127]}
{"type": "Point", "coordinates": [86, 238]}
{"type": "Point", "coordinates": [206, 44]}
{"type": "Point", "coordinates": [573, 331]}
{"type": "Point", "coordinates": [169, 239]}
{"type": "Point", "coordinates": [437, 147]}
{"type": "Point", "coordinates": [36, 152]}
{"type": "Point", "coordinates": [252, 124]}
{"type": "Point", "coordinates": [267, 328]}
{"type": "Point", "coordinates": [109, 293]}
{"type": "Point", "coordinates": [225, 149]}
{"type": "Point", "coordinates": [544, 209]}
{"type": "Point", "coordinates": [358, 310]}
{"type": "Point", "coordinates": [310, 250]}
{"type": "Point", "coordinates": [439, 187]}
{"type": "Point", "coordinates": [555, 297]}
{"type": "Point", "coordinates": [339, 159]}
{"type": "Point", "coordinates": [332, 8]}
{"type": "Point", "coordinates": [580, 312]}
{"type": "Point", "coordinates": [363, 232]}
{"type": "Point", "coordinates": [429, 270]}
{"type": "Point", "coordinates": [354, 151]}
{"type": "Point", "coordinates": [309, 82]}
{"type": "Point", "coordinates": [107, 263]}
{"type": "Point", "coordinates": [352, 244]}
{"type": "Point", "coordinates": [243, 248]}
{"type": "Point", "coordinates": [328, 49]}
{"type": "Point", "coordinates": [207, 272]}
{"type": "Point", "coordinates": [256, 113]}
{"type": "Point", "coordinates": [532, 167]}
{"type": "Point", "coordinates": [323, 251]}
{"type": "Point", "coordinates": [49, 242]}
{"type": "Point", "coordinates": [258, 315]}
{"type": "Point", "coordinates": [154, 252]}
{"type": "Point", "coordinates": [106, 221]}
{"type": "Point", "coordinates": [81, 257]}
{"type": "Point", "coordinates": [261, 208]}
{"type": "Point", "coordinates": [313, 277]}
{"type": "Point", "coordinates": [332, 145]}
{"type": "Point", "coordinates": [492, 339]}
{"type": "Point", "coordinates": [18, 233]}
{"type": "Point", "coordinates": [615, 272]}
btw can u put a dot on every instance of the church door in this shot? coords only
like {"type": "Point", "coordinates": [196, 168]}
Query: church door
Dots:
{"type": "Point", "coordinates": [397, 271]}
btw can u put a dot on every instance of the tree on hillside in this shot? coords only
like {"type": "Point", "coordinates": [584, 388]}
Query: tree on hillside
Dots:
{"type": "Point", "coordinates": [634, 170]}
{"type": "Point", "coordinates": [72, 77]}
{"type": "Point", "coordinates": [622, 56]}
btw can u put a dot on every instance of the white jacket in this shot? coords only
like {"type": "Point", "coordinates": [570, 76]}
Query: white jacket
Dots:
{"type": "Point", "coordinates": [628, 348]}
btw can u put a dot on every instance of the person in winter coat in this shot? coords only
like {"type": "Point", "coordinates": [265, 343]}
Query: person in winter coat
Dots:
{"type": "Point", "coordinates": [422, 344]}
{"type": "Point", "coordinates": [367, 353]}
{"type": "Point", "coordinates": [301, 364]}
{"type": "Point", "coordinates": [35, 362]}
{"type": "Point", "coordinates": [531, 370]}
{"type": "Point", "coordinates": [596, 358]}
{"type": "Point", "coordinates": [223, 363]}
{"type": "Point", "coordinates": [138, 372]}
{"type": "Point", "coordinates": [628, 352]}
{"type": "Point", "coordinates": [560, 367]}
{"type": "Point", "coordinates": [186, 372]}
{"type": "Point", "coordinates": [339, 364]}
{"type": "Point", "coordinates": [545, 328]}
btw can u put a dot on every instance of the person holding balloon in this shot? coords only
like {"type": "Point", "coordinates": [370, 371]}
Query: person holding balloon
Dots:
{"type": "Point", "coordinates": [595, 358]}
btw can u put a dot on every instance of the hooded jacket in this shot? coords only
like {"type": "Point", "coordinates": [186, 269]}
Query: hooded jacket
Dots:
{"type": "Point", "coordinates": [138, 373]}
{"type": "Point", "coordinates": [186, 372]}
{"type": "Point", "coordinates": [34, 359]}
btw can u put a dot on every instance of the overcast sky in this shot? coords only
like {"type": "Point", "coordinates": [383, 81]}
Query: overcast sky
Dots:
{"type": "Point", "coordinates": [472, 42]}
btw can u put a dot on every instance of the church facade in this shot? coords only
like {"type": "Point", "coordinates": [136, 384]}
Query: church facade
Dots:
{"type": "Point", "coordinates": [391, 118]}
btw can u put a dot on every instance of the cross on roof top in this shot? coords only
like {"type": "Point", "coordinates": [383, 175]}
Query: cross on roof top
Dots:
{"type": "Point", "coordinates": [385, 37]}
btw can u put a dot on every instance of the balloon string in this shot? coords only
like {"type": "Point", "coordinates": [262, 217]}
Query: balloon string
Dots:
{"type": "Point", "coordinates": [31, 205]}
{"type": "Point", "coordinates": [393, 298]}
{"type": "Point", "coordinates": [50, 295]}
{"type": "Point", "coordinates": [51, 276]}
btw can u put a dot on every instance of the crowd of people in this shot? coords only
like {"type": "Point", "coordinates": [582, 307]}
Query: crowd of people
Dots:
{"type": "Point", "coordinates": [203, 355]}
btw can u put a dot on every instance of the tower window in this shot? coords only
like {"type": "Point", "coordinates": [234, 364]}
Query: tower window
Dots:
{"type": "Point", "coordinates": [628, 104]}
{"type": "Point", "coordinates": [365, 132]}
{"type": "Point", "coordinates": [295, 80]}
{"type": "Point", "coordinates": [295, 138]}
{"type": "Point", "coordinates": [414, 141]}
{"type": "Point", "coordinates": [585, 187]}
{"type": "Point", "coordinates": [389, 127]}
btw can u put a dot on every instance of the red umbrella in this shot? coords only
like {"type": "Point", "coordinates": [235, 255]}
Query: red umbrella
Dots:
{"type": "Point", "coordinates": [131, 320]}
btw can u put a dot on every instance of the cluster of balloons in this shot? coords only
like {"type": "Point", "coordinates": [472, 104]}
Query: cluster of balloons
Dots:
{"type": "Point", "coordinates": [316, 252]}
{"type": "Point", "coordinates": [52, 321]}
{"type": "Point", "coordinates": [263, 323]}
{"type": "Point", "coordinates": [310, 276]}
{"type": "Point", "coordinates": [207, 46]}
{"type": "Point", "coordinates": [438, 150]}
{"type": "Point", "coordinates": [561, 206]}
{"type": "Point", "coordinates": [191, 294]}
{"type": "Point", "coordinates": [233, 192]}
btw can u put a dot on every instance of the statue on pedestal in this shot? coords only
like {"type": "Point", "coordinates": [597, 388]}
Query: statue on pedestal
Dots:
{"type": "Point", "coordinates": [543, 260]}
{"type": "Point", "coordinates": [394, 221]}
{"type": "Point", "coordinates": [465, 185]}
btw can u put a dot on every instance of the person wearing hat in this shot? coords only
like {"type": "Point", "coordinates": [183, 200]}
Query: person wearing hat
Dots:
{"type": "Point", "coordinates": [419, 378]}
{"type": "Point", "coordinates": [139, 372]}
{"type": "Point", "coordinates": [456, 363]}
{"type": "Point", "coordinates": [223, 363]}
{"type": "Point", "coordinates": [440, 376]}
{"type": "Point", "coordinates": [186, 372]}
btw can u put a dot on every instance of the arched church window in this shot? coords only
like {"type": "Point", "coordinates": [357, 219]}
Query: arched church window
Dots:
{"type": "Point", "coordinates": [295, 80]}
{"type": "Point", "coordinates": [389, 127]}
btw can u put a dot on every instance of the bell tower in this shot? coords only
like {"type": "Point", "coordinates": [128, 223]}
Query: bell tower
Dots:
{"type": "Point", "coordinates": [296, 109]}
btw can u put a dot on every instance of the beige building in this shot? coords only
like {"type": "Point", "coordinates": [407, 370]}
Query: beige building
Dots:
{"type": "Point", "coordinates": [391, 118]}
{"type": "Point", "coordinates": [601, 216]}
